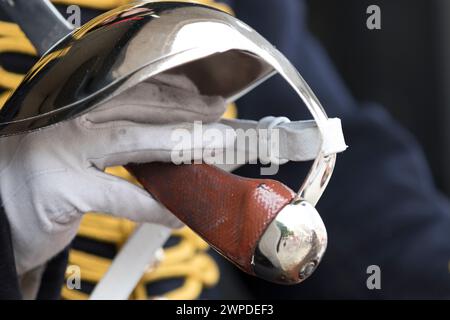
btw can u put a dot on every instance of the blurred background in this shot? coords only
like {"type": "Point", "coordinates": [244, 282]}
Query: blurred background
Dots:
{"type": "Point", "coordinates": [405, 66]}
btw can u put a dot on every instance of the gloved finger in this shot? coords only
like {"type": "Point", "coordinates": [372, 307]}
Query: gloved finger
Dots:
{"type": "Point", "coordinates": [123, 199]}
{"type": "Point", "coordinates": [160, 102]}
{"type": "Point", "coordinates": [122, 142]}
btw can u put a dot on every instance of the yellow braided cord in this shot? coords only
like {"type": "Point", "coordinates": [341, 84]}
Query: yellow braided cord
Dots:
{"type": "Point", "coordinates": [93, 4]}
{"type": "Point", "coordinates": [187, 259]}
{"type": "Point", "coordinates": [12, 39]}
{"type": "Point", "coordinates": [110, 4]}
{"type": "Point", "coordinates": [4, 96]}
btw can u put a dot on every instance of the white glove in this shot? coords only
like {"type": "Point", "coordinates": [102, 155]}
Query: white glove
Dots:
{"type": "Point", "coordinates": [50, 177]}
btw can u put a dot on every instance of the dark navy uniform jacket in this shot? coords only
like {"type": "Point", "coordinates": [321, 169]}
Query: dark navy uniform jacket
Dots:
{"type": "Point", "coordinates": [381, 207]}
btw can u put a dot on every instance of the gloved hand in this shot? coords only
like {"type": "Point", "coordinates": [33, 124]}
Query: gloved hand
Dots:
{"type": "Point", "coordinates": [50, 177]}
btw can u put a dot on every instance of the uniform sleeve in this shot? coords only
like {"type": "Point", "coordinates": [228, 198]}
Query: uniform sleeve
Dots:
{"type": "Point", "coordinates": [382, 207]}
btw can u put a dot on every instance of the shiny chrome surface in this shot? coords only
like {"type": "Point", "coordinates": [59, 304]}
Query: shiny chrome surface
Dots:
{"type": "Point", "coordinates": [125, 46]}
{"type": "Point", "coordinates": [292, 246]}
{"type": "Point", "coordinates": [220, 54]}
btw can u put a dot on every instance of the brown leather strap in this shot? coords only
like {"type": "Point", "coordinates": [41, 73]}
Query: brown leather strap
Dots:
{"type": "Point", "coordinates": [228, 211]}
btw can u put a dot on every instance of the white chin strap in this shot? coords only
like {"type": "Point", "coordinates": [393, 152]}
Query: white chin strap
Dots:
{"type": "Point", "coordinates": [298, 140]}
